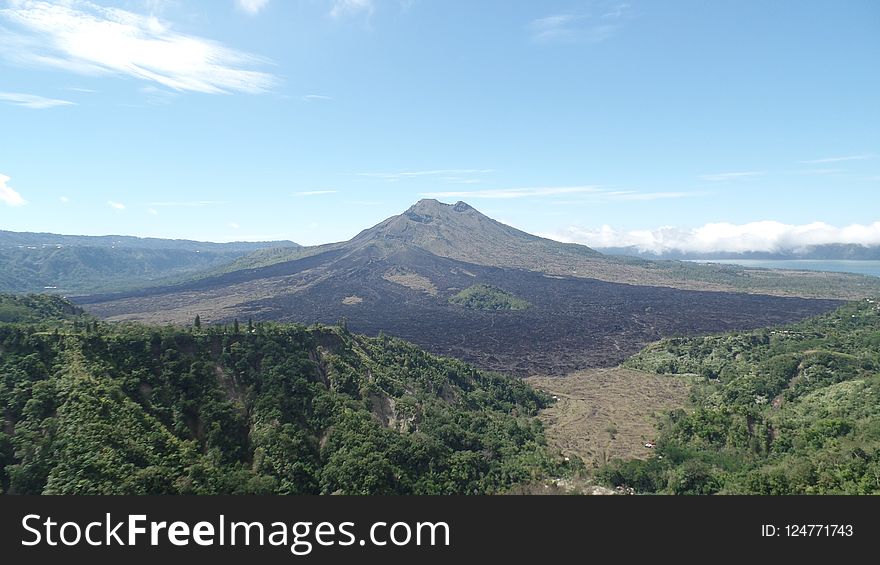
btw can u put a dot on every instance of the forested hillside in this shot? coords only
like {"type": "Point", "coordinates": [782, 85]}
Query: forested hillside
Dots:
{"type": "Point", "coordinates": [94, 408]}
{"type": "Point", "coordinates": [790, 410]}
{"type": "Point", "coordinates": [77, 264]}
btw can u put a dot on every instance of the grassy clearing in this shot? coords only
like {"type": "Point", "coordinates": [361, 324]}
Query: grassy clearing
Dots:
{"type": "Point", "coordinates": [604, 414]}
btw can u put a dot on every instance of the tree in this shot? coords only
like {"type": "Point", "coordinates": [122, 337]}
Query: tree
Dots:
{"type": "Point", "coordinates": [197, 322]}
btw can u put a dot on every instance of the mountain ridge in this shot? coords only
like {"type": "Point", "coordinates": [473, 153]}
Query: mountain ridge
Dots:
{"type": "Point", "coordinates": [49, 239]}
{"type": "Point", "coordinates": [74, 264]}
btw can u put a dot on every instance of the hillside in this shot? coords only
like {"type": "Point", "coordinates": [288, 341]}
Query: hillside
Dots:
{"type": "Point", "coordinates": [269, 409]}
{"type": "Point", "coordinates": [787, 410]}
{"type": "Point", "coordinates": [66, 264]}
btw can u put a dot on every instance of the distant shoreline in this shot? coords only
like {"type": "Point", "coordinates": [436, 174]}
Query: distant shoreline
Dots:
{"type": "Point", "coordinates": [869, 267]}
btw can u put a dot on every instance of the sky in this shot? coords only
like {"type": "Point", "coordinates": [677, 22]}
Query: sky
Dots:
{"type": "Point", "coordinates": [677, 124]}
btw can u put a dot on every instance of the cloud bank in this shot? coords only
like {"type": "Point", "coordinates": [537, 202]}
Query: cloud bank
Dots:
{"type": "Point", "coordinates": [764, 236]}
{"type": "Point", "coordinates": [86, 38]}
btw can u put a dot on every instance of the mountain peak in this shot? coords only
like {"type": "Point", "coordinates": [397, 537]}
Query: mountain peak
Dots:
{"type": "Point", "coordinates": [459, 231]}
{"type": "Point", "coordinates": [428, 210]}
{"type": "Point", "coordinates": [434, 207]}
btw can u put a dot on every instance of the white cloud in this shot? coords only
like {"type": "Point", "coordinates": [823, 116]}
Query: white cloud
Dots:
{"type": "Point", "coordinates": [550, 28]}
{"type": "Point", "coordinates": [83, 37]}
{"type": "Point", "coordinates": [821, 171]}
{"type": "Point", "coordinates": [583, 27]}
{"type": "Point", "coordinates": [514, 192]}
{"type": "Point", "coordinates": [315, 98]}
{"type": "Point", "coordinates": [343, 8]}
{"type": "Point", "coordinates": [116, 205]}
{"type": "Point", "coordinates": [837, 159]}
{"type": "Point", "coordinates": [314, 192]}
{"type": "Point", "coordinates": [64, 199]}
{"type": "Point", "coordinates": [188, 203]}
{"type": "Point", "coordinates": [731, 176]}
{"type": "Point", "coordinates": [233, 225]}
{"type": "Point", "coordinates": [252, 7]}
{"type": "Point", "coordinates": [8, 195]}
{"type": "Point", "coordinates": [593, 193]}
{"type": "Point", "coordinates": [767, 236]}
{"type": "Point", "coordinates": [152, 212]}
{"type": "Point", "coordinates": [450, 175]}
{"type": "Point", "coordinates": [32, 101]}
{"type": "Point", "coordinates": [647, 196]}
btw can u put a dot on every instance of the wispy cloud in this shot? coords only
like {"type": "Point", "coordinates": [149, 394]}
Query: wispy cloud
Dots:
{"type": "Point", "coordinates": [591, 192]}
{"type": "Point", "coordinates": [837, 159]}
{"type": "Point", "coordinates": [344, 8]}
{"type": "Point", "coordinates": [648, 196]}
{"type": "Point", "coordinates": [449, 175]}
{"type": "Point", "coordinates": [580, 27]}
{"type": "Point", "coordinates": [515, 192]}
{"type": "Point", "coordinates": [731, 176]}
{"type": "Point", "coordinates": [32, 101]}
{"type": "Point", "coordinates": [233, 225]}
{"type": "Point", "coordinates": [766, 236]}
{"type": "Point", "coordinates": [188, 203]}
{"type": "Point", "coordinates": [820, 171]}
{"type": "Point", "coordinates": [64, 199]}
{"type": "Point", "coordinates": [554, 28]}
{"type": "Point", "coordinates": [252, 7]}
{"type": "Point", "coordinates": [83, 90]}
{"type": "Point", "coordinates": [315, 98]}
{"type": "Point", "coordinates": [315, 192]}
{"type": "Point", "coordinates": [83, 37]}
{"type": "Point", "coordinates": [8, 195]}
{"type": "Point", "coordinates": [116, 205]}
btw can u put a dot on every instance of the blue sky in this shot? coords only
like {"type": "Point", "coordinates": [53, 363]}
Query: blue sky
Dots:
{"type": "Point", "coordinates": [725, 124]}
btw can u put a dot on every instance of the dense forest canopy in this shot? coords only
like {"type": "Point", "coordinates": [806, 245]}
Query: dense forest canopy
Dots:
{"type": "Point", "coordinates": [789, 410]}
{"type": "Point", "coordinates": [95, 408]}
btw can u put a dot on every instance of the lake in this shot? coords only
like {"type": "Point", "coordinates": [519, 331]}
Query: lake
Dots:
{"type": "Point", "coordinates": [839, 266]}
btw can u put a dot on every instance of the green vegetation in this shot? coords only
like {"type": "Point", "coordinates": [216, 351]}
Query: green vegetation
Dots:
{"type": "Point", "coordinates": [66, 264]}
{"type": "Point", "coordinates": [486, 297]}
{"type": "Point", "coordinates": [37, 308]}
{"type": "Point", "coordinates": [792, 410]}
{"type": "Point", "coordinates": [87, 270]}
{"type": "Point", "coordinates": [96, 408]}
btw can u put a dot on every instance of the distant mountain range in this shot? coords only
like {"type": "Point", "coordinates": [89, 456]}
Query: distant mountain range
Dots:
{"type": "Point", "coordinates": [459, 283]}
{"type": "Point", "coordinates": [830, 252]}
{"type": "Point", "coordinates": [76, 264]}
